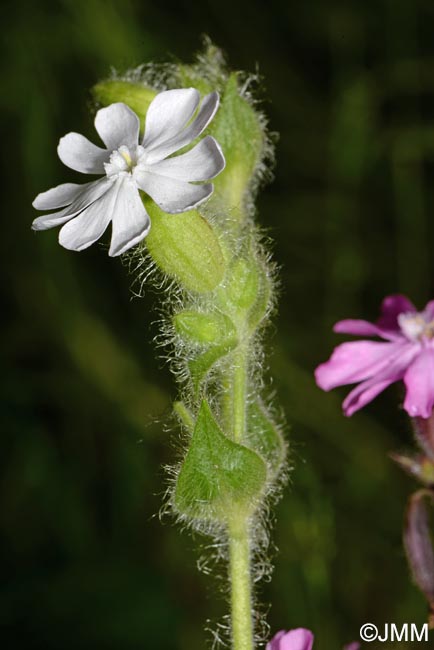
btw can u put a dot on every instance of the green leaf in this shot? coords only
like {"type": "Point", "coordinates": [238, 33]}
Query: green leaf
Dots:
{"type": "Point", "coordinates": [218, 477]}
{"type": "Point", "coordinates": [265, 438]}
{"type": "Point", "coordinates": [204, 328]}
{"type": "Point", "coordinates": [202, 364]}
{"type": "Point", "coordinates": [135, 95]}
{"type": "Point", "coordinates": [185, 247]}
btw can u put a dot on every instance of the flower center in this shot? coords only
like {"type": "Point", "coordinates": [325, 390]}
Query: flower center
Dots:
{"type": "Point", "coordinates": [416, 326]}
{"type": "Point", "coordinates": [123, 161]}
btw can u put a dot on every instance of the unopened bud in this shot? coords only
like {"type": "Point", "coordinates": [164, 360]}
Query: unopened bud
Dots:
{"type": "Point", "coordinates": [418, 544]}
{"type": "Point", "coordinates": [424, 432]}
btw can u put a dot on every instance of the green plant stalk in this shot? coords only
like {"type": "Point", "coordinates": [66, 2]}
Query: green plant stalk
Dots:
{"type": "Point", "coordinates": [238, 526]}
{"type": "Point", "coordinates": [239, 392]}
{"type": "Point", "coordinates": [240, 581]}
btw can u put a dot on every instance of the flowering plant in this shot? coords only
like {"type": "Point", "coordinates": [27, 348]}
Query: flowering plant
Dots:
{"type": "Point", "coordinates": [206, 254]}
{"type": "Point", "coordinates": [198, 242]}
{"type": "Point", "coordinates": [408, 354]}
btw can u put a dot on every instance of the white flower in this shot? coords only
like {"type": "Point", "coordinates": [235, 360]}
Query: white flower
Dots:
{"type": "Point", "coordinates": [171, 124]}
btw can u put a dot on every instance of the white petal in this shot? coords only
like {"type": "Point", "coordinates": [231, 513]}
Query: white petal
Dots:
{"type": "Point", "coordinates": [77, 152]}
{"type": "Point", "coordinates": [131, 222]}
{"type": "Point", "coordinates": [90, 192]}
{"type": "Point", "coordinates": [59, 196]}
{"type": "Point", "coordinates": [117, 125]}
{"type": "Point", "coordinates": [168, 114]}
{"type": "Point", "coordinates": [204, 161]}
{"type": "Point", "coordinates": [82, 231]}
{"type": "Point", "coordinates": [172, 195]}
{"type": "Point", "coordinates": [206, 112]}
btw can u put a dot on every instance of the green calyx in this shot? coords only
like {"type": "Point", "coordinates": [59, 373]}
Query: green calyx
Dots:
{"type": "Point", "coordinates": [218, 476]}
{"type": "Point", "coordinates": [185, 247]}
{"type": "Point", "coordinates": [239, 130]}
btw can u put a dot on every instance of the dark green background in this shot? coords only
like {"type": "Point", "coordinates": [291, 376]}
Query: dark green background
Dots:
{"type": "Point", "coordinates": [86, 562]}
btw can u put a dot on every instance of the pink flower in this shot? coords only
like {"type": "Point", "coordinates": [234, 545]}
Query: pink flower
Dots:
{"type": "Point", "coordinates": [406, 353]}
{"type": "Point", "coordinates": [299, 639]}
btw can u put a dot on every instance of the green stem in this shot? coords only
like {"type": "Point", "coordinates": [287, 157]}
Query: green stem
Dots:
{"type": "Point", "coordinates": [234, 393]}
{"type": "Point", "coordinates": [241, 593]}
{"type": "Point", "coordinates": [239, 393]}
{"type": "Point", "coordinates": [238, 525]}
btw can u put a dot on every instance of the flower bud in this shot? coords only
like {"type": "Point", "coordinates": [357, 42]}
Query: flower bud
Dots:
{"type": "Point", "coordinates": [424, 432]}
{"type": "Point", "coordinates": [420, 467]}
{"type": "Point", "coordinates": [133, 94]}
{"type": "Point", "coordinates": [241, 289]}
{"type": "Point", "coordinates": [203, 328]}
{"type": "Point", "coordinates": [418, 544]}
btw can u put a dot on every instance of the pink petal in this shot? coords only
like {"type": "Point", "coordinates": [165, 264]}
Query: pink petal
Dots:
{"type": "Point", "coordinates": [391, 307]}
{"type": "Point", "coordinates": [298, 639]}
{"type": "Point", "coordinates": [419, 381]}
{"type": "Point", "coordinates": [363, 394]}
{"type": "Point", "coordinates": [368, 390]}
{"type": "Point", "coordinates": [429, 310]}
{"type": "Point", "coordinates": [355, 361]}
{"type": "Point", "coordinates": [364, 328]}
{"type": "Point", "coordinates": [274, 643]}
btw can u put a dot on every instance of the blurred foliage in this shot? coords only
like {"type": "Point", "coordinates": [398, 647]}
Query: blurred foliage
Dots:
{"type": "Point", "coordinates": [86, 563]}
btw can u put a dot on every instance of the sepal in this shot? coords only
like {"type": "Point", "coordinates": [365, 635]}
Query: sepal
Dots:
{"type": "Point", "coordinates": [239, 130]}
{"type": "Point", "coordinates": [185, 247]}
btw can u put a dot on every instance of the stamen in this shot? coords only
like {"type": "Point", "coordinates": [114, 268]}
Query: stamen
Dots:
{"type": "Point", "coordinates": [126, 156]}
{"type": "Point", "coordinates": [415, 326]}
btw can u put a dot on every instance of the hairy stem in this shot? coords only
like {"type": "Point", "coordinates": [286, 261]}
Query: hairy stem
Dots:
{"type": "Point", "coordinates": [240, 579]}
{"type": "Point", "coordinates": [239, 392]}
{"type": "Point", "coordinates": [238, 526]}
